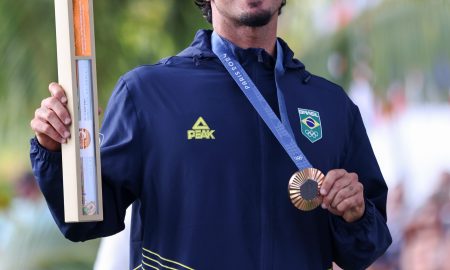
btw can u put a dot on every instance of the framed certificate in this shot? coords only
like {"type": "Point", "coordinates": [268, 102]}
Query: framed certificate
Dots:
{"type": "Point", "coordinates": [77, 75]}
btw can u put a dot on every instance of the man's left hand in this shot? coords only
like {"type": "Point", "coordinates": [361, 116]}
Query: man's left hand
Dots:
{"type": "Point", "coordinates": [343, 195]}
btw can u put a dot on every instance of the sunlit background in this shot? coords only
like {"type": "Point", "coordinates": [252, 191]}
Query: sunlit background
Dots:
{"type": "Point", "coordinates": [392, 56]}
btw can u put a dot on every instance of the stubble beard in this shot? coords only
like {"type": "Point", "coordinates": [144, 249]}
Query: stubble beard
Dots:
{"type": "Point", "coordinates": [255, 20]}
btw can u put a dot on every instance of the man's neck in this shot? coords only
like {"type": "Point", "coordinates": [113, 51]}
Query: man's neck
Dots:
{"type": "Point", "coordinates": [249, 37]}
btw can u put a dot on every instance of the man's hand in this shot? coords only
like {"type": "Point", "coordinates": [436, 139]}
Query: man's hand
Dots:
{"type": "Point", "coordinates": [343, 195]}
{"type": "Point", "coordinates": [51, 120]}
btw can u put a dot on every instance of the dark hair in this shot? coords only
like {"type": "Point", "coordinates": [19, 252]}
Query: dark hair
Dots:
{"type": "Point", "coordinates": [205, 7]}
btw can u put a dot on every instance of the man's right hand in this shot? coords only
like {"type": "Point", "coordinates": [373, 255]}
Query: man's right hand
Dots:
{"type": "Point", "coordinates": [52, 120]}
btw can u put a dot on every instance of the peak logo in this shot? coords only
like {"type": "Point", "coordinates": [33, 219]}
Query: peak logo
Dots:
{"type": "Point", "coordinates": [200, 131]}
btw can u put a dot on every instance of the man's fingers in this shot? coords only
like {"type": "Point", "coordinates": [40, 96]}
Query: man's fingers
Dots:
{"type": "Point", "coordinates": [58, 92]}
{"type": "Point", "coordinates": [49, 117]}
{"type": "Point", "coordinates": [55, 105]}
{"type": "Point", "coordinates": [339, 185]}
{"type": "Point", "coordinates": [343, 195]}
{"type": "Point", "coordinates": [43, 128]}
{"type": "Point", "coordinates": [346, 192]}
{"type": "Point", "coordinates": [330, 178]}
{"type": "Point", "coordinates": [350, 203]}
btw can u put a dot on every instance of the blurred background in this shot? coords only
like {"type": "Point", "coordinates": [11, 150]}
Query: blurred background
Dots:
{"type": "Point", "coordinates": [392, 56]}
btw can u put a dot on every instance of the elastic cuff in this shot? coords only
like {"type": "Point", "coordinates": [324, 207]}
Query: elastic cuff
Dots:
{"type": "Point", "coordinates": [42, 153]}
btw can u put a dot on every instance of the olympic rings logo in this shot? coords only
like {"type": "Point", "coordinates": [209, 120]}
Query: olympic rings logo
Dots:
{"type": "Point", "coordinates": [312, 133]}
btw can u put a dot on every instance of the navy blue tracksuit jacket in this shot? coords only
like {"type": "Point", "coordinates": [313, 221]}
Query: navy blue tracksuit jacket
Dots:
{"type": "Point", "coordinates": [208, 180]}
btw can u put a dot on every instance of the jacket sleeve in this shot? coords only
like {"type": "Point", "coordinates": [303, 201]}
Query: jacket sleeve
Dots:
{"type": "Point", "coordinates": [121, 170]}
{"type": "Point", "coordinates": [357, 245]}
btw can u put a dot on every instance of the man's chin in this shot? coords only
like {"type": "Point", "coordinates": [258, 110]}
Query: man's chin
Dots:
{"type": "Point", "coordinates": [255, 20]}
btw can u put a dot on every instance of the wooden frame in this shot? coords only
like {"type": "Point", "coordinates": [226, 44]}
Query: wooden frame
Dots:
{"type": "Point", "coordinates": [77, 75]}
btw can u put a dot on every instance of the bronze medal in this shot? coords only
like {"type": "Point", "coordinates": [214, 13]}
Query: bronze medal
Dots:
{"type": "Point", "coordinates": [304, 189]}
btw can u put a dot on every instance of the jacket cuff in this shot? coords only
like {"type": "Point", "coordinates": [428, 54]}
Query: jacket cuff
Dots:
{"type": "Point", "coordinates": [340, 226]}
{"type": "Point", "coordinates": [40, 152]}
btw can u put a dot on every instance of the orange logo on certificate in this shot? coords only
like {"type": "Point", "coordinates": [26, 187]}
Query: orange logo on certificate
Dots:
{"type": "Point", "coordinates": [85, 138]}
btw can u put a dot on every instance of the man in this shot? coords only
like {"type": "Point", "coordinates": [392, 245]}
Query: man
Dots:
{"type": "Point", "coordinates": [207, 177]}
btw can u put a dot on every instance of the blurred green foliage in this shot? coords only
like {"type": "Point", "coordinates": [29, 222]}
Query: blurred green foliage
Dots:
{"type": "Point", "coordinates": [395, 39]}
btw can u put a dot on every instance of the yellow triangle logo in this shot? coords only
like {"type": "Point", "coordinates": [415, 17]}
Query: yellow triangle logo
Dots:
{"type": "Point", "coordinates": [200, 124]}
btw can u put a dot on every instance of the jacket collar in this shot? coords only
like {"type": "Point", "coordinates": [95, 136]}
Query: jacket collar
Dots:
{"type": "Point", "coordinates": [201, 48]}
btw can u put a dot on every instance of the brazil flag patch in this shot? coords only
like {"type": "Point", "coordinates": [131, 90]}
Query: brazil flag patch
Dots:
{"type": "Point", "coordinates": [310, 124]}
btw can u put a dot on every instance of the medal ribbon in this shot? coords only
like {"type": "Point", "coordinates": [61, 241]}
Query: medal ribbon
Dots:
{"type": "Point", "coordinates": [281, 129]}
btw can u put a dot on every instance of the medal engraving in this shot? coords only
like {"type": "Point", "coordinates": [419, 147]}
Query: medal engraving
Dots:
{"type": "Point", "coordinates": [304, 189]}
